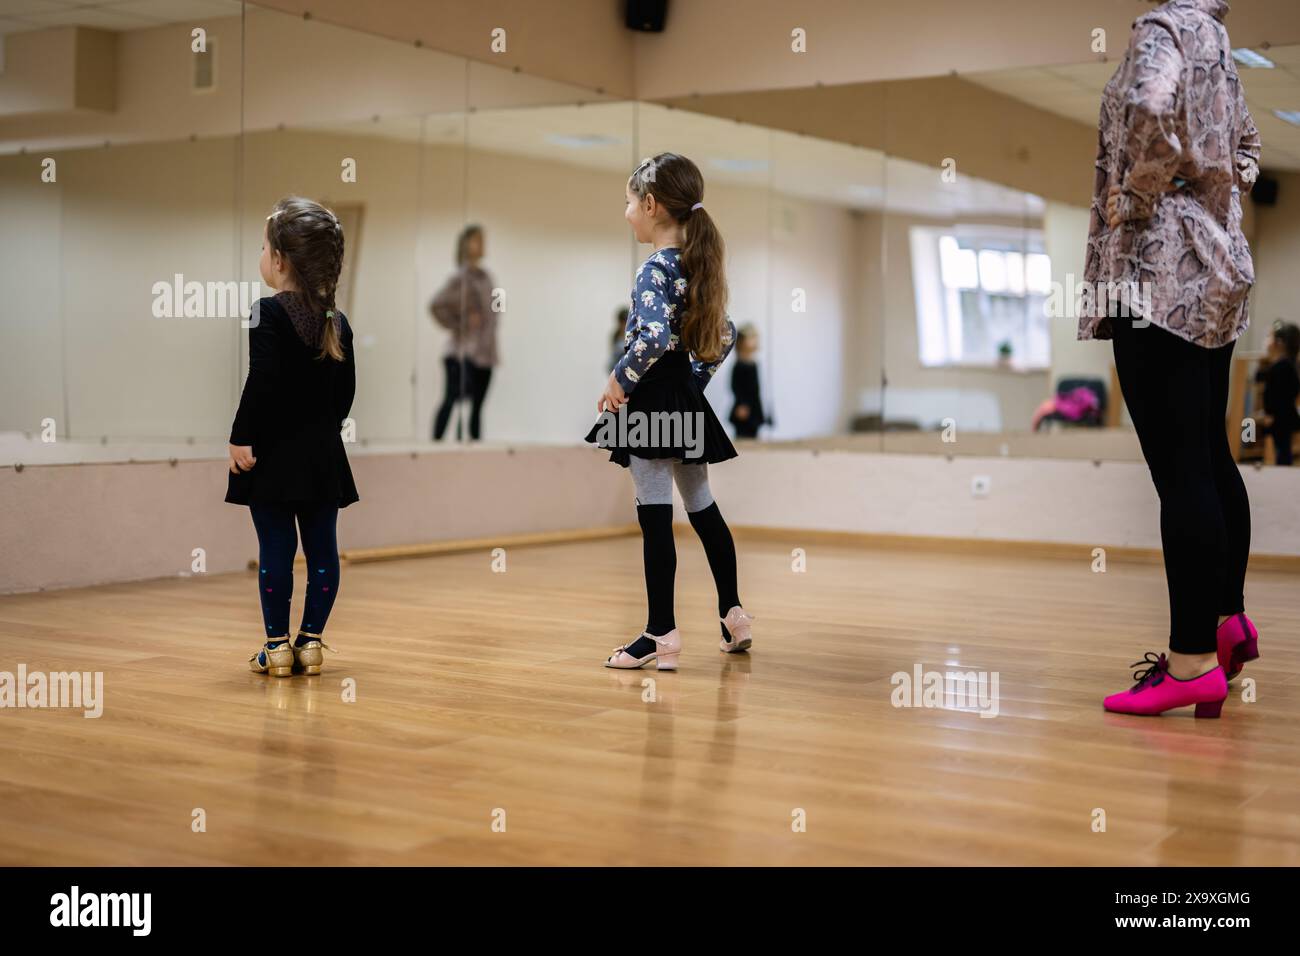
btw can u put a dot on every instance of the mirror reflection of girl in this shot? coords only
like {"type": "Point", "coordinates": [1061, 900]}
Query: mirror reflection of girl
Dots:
{"type": "Point", "coordinates": [463, 306]}
{"type": "Point", "coordinates": [1176, 150]}
{"type": "Point", "coordinates": [747, 413]}
{"type": "Point", "coordinates": [287, 461]}
{"type": "Point", "coordinates": [1281, 381]}
{"type": "Point", "coordinates": [677, 335]}
{"type": "Point", "coordinates": [617, 344]}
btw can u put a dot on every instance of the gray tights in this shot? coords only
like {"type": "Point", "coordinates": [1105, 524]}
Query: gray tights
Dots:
{"type": "Point", "coordinates": [653, 478]}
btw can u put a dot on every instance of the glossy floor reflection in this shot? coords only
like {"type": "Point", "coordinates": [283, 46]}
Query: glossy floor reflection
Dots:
{"type": "Point", "coordinates": [480, 700]}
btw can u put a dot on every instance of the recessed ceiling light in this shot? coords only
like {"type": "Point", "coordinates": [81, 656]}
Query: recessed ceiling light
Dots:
{"type": "Point", "coordinates": [1289, 116]}
{"type": "Point", "coordinates": [1252, 59]}
{"type": "Point", "coordinates": [583, 141]}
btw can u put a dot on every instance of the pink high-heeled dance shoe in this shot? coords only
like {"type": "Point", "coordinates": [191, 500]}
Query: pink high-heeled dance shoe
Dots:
{"type": "Point", "coordinates": [664, 654]}
{"type": "Point", "coordinates": [1157, 690]}
{"type": "Point", "coordinates": [1238, 643]}
{"type": "Point", "coordinates": [738, 623]}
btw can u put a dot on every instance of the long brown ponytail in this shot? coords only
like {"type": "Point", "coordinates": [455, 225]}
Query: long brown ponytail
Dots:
{"type": "Point", "coordinates": [678, 186]}
{"type": "Point", "coordinates": [310, 238]}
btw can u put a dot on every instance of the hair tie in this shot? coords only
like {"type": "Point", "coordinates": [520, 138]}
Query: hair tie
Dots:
{"type": "Point", "coordinates": [698, 205]}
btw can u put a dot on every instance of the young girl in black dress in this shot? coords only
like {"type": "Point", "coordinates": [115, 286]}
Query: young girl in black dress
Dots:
{"type": "Point", "coordinates": [677, 335]}
{"type": "Point", "coordinates": [287, 461]}
{"type": "Point", "coordinates": [747, 412]}
{"type": "Point", "coordinates": [1281, 382]}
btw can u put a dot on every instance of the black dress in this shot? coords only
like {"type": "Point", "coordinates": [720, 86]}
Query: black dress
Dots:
{"type": "Point", "coordinates": [1281, 389]}
{"type": "Point", "coordinates": [292, 409]}
{"type": "Point", "coordinates": [745, 388]}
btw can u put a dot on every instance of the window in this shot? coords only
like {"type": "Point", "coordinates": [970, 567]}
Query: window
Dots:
{"type": "Point", "coordinates": [981, 295]}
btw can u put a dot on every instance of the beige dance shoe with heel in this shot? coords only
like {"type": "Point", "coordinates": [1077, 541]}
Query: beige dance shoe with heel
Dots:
{"type": "Point", "coordinates": [664, 653]}
{"type": "Point", "coordinates": [738, 623]}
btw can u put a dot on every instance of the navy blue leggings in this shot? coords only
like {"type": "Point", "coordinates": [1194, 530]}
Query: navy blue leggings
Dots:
{"type": "Point", "coordinates": [277, 539]}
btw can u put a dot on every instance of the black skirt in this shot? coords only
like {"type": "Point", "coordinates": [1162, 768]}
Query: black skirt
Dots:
{"type": "Point", "coordinates": [690, 432]}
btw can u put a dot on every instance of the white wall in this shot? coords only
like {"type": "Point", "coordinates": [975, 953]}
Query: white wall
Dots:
{"type": "Point", "coordinates": [1057, 501]}
{"type": "Point", "coordinates": [1276, 248]}
{"type": "Point", "coordinates": [31, 340]}
{"type": "Point", "coordinates": [77, 525]}
{"type": "Point", "coordinates": [1065, 235]}
{"type": "Point", "coordinates": [813, 251]}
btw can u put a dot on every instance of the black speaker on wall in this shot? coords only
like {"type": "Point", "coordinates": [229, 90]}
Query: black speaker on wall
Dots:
{"type": "Point", "coordinates": [648, 16]}
{"type": "Point", "coordinates": [1264, 192]}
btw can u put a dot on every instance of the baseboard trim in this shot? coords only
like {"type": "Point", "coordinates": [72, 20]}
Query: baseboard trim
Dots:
{"type": "Point", "coordinates": [1035, 549]}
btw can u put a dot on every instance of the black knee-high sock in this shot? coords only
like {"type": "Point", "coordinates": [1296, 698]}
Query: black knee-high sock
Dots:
{"type": "Point", "coordinates": [660, 556]}
{"type": "Point", "coordinates": [721, 551]}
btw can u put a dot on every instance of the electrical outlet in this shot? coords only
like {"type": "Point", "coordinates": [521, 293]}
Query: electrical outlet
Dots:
{"type": "Point", "coordinates": [980, 486]}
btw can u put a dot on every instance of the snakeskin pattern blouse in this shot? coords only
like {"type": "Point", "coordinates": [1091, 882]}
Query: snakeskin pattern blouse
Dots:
{"type": "Point", "coordinates": [1176, 137]}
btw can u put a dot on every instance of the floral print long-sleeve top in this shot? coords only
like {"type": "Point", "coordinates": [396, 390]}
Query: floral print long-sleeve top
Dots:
{"type": "Point", "coordinates": [654, 322]}
{"type": "Point", "coordinates": [1176, 137]}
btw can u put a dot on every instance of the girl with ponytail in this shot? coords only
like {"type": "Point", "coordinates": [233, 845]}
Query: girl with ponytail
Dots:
{"type": "Point", "coordinates": [287, 461]}
{"type": "Point", "coordinates": [653, 414]}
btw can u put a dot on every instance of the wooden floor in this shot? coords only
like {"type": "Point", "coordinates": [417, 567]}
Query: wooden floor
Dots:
{"type": "Point", "coordinates": [479, 692]}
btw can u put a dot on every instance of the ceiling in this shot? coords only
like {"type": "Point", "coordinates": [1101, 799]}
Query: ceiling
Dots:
{"type": "Point", "coordinates": [17, 16]}
{"type": "Point", "coordinates": [613, 137]}
{"type": "Point", "coordinates": [1075, 92]}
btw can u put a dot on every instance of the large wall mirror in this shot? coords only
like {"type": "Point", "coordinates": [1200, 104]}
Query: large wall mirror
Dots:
{"type": "Point", "coordinates": [903, 287]}
{"type": "Point", "coordinates": [115, 196]}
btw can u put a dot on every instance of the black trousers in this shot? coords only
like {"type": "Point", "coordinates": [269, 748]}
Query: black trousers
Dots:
{"type": "Point", "coordinates": [1282, 434]}
{"type": "Point", "coordinates": [1177, 395]}
{"type": "Point", "coordinates": [465, 380]}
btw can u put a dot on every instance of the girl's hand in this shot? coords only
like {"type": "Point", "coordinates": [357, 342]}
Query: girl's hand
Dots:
{"type": "Point", "coordinates": [613, 397]}
{"type": "Point", "coordinates": [241, 458]}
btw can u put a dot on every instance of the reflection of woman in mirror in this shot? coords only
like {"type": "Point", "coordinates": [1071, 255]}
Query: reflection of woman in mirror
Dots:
{"type": "Point", "coordinates": [677, 335]}
{"type": "Point", "coordinates": [1281, 381]}
{"type": "Point", "coordinates": [747, 412]}
{"type": "Point", "coordinates": [464, 307]}
{"type": "Point", "coordinates": [1177, 148]}
{"type": "Point", "coordinates": [287, 461]}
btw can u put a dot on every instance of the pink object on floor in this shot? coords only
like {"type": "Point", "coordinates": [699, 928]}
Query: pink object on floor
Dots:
{"type": "Point", "coordinates": [1156, 691]}
{"type": "Point", "coordinates": [1238, 643]}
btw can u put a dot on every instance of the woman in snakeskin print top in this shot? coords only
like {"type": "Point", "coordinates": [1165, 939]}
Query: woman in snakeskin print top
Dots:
{"type": "Point", "coordinates": [1176, 150]}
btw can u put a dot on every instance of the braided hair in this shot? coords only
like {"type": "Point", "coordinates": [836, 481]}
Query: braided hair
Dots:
{"type": "Point", "coordinates": [310, 239]}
